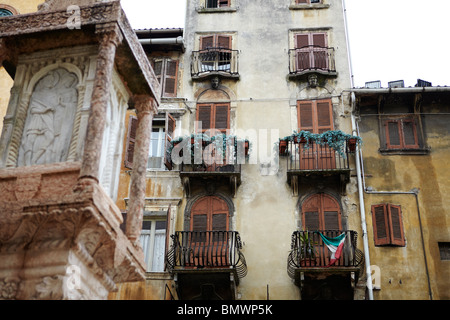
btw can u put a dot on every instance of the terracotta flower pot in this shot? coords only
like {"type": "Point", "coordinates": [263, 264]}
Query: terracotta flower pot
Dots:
{"type": "Point", "coordinates": [283, 147]}
{"type": "Point", "coordinates": [352, 145]}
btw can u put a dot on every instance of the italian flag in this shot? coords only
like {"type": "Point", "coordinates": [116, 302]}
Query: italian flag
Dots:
{"type": "Point", "coordinates": [335, 245]}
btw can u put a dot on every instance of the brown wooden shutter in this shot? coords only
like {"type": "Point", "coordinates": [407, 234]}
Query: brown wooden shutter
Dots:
{"type": "Point", "coordinates": [206, 42]}
{"type": "Point", "coordinates": [221, 117]}
{"type": "Point", "coordinates": [311, 209]}
{"type": "Point", "coordinates": [170, 83]}
{"type": "Point", "coordinates": [380, 224]}
{"type": "Point", "coordinates": [169, 130]}
{"type": "Point", "coordinates": [131, 140]}
{"type": "Point", "coordinates": [224, 42]}
{"type": "Point", "coordinates": [324, 116]}
{"type": "Point", "coordinates": [302, 1]}
{"type": "Point", "coordinates": [305, 116]}
{"type": "Point", "coordinates": [224, 3]}
{"type": "Point", "coordinates": [396, 225]}
{"type": "Point", "coordinates": [204, 116]}
{"type": "Point", "coordinates": [168, 226]}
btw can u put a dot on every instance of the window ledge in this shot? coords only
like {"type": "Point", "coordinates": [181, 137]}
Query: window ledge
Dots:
{"type": "Point", "coordinates": [421, 151]}
{"type": "Point", "coordinates": [216, 10]}
{"type": "Point", "coordinates": [311, 6]}
{"type": "Point", "coordinates": [158, 276]}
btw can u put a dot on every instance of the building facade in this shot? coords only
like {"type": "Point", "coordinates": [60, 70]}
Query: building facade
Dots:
{"type": "Point", "coordinates": [249, 225]}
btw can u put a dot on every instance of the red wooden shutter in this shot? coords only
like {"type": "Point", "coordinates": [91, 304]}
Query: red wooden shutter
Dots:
{"type": "Point", "coordinates": [204, 117]}
{"type": "Point", "coordinates": [170, 83]}
{"type": "Point", "coordinates": [396, 225]}
{"type": "Point", "coordinates": [169, 131]}
{"type": "Point", "coordinates": [303, 51]}
{"type": "Point", "coordinates": [324, 116]}
{"type": "Point", "coordinates": [131, 140]}
{"type": "Point", "coordinates": [320, 52]}
{"type": "Point", "coordinates": [310, 209]}
{"type": "Point", "coordinates": [305, 116]}
{"type": "Point", "coordinates": [221, 117]}
{"type": "Point", "coordinates": [331, 213]}
{"type": "Point", "coordinates": [321, 212]}
{"type": "Point", "coordinates": [380, 224]}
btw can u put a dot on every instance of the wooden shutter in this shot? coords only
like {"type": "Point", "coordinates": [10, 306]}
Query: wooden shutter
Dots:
{"type": "Point", "coordinates": [221, 117]}
{"type": "Point", "coordinates": [305, 116]}
{"type": "Point", "coordinates": [206, 42]}
{"type": "Point", "coordinates": [209, 213]}
{"type": "Point", "coordinates": [302, 1]}
{"type": "Point", "coordinates": [224, 3]}
{"type": "Point", "coordinates": [321, 212]}
{"type": "Point", "coordinates": [168, 226]}
{"type": "Point", "coordinates": [324, 116]}
{"type": "Point", "coordinates": [380, 224]}
{"type": "Point", "coordinates": [170, 83]}
{"type": "Point", "coordinates": [396, 225]}
{"type": "Point", "coordinates": [131, 141]}
{"type": "Point", "coordinates": [315, 116]}
{"type": "Point", "coordinates": [204, 117]}
{"type": "Point", "coordinates": [169, 131]}
{"type": "Point", "coordinates": [224, 42]}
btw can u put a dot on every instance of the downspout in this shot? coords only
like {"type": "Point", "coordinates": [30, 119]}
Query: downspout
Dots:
{"type": "Point", "coordinates": [362, 204]}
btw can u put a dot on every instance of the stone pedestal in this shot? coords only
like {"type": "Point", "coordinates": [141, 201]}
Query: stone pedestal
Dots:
{"type": "Point", "coordinates": [61, 242]}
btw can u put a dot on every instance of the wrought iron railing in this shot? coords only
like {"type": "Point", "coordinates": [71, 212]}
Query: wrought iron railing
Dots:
{"type": "Point", "coordinates": [215, 60]}
{"type": "Point", "coordinates": [308, 250]}
{"type": "Point", "coordinates": [207, 249]}
{"type": "Point", "coordinates": [312, 156]}
{"type": "Point", "coordinates": [310, 58]}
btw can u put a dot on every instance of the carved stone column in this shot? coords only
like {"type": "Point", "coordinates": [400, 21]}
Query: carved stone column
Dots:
{"type": "Point", "coordinates": [145, 109]}
{"type": "Point", "coordinates": [110, 36]}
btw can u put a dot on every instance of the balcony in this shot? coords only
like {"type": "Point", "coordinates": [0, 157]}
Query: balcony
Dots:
{"type": "Point", "coordinates": [311, 59]}
{"type": "Point", "coordinates": [217, 159]}
{"type": "Point", "coordinates": [215, 62]}
{"type": "Point", "coordinates": [311, 264]}
{"type": "Point", "coordinates": [206, 264]}
{"type": "Point", "coordinates": [310, 160]}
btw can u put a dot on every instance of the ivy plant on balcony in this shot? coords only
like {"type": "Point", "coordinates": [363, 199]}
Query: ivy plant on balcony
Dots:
{"type": "Point", "coordinates": [200, 141]}
{"type": "Point", "coordinates": [335, 139]}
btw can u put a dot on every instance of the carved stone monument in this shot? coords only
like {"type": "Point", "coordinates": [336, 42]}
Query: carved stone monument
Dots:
{"type": "Point", "coordinates": [61, 149]}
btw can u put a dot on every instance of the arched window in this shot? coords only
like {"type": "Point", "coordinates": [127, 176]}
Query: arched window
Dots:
{"type": "Point", "coordinates": [321, 212]}
{"type": "Point", "coordinates": [209, 213]}
{"type": "Point", "coordinates": [5, 12]}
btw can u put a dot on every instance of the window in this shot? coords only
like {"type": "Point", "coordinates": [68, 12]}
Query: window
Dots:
{"type": "Point", "coordinates": [315, 116]}
{"type": "Point", "coordinates": [401, 133]}
{"type": "Point", "coordinates": [444, 250]}
{"type": "Point", "coordinates": [213, 116]}
{"type": "Point", "coordinates": [217, 3]}
{"type": "Point", "coordinates": [153, 241]}
{"type": "Point", "coordinates": [166, 70]}
{"type": "Point", "coordinates": [321, 212]}
{"type": "Point", "coordinates": [215, 53]}
{"type": "Point", "coordinates": [311, 51]}
{"type": "Point", "coordinates": [387, 225]}
{"type": "Point", "coordinates": [162, 133]}
{"type": "Point", "coordinates": [5, 13]}
{"type": "Point", "coordinates": [307, 1]}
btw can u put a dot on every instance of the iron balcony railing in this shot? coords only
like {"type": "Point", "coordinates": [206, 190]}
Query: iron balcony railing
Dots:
{"type": "Point", "coordinates": [215, 61]}
{"type": "Point", "coordinates": [207, 250]}
{"type": "Point", "coordinates": [311, 58]}
{"type": "Point", "coordinates": [312, 156]}
{"type": "Point", "coordinates": [309, 251]}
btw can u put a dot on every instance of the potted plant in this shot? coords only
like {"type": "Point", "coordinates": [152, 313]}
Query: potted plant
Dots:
{"type": "Point", "coordinates": [307, 250]}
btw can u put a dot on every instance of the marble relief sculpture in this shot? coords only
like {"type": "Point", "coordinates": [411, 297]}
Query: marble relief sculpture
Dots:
{"type": "Point", "coordinates": [50, 117]}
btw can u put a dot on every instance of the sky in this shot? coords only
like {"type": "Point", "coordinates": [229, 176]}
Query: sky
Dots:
{"type": "Point", "coordinates": [390, 40]}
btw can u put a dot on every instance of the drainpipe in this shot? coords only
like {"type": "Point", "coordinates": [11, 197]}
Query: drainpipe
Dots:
{"type": "Point", "coordinates": [177, 40]}
{"type": "Point", "coordinates": [362, 206]}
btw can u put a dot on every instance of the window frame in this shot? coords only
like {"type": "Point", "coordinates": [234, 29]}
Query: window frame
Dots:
{"type": "Point", "coordinates": [384, 219]}
{"type": "Point", "coordinates": [212, 116]}
{"type": "Point", "coordinates": [403, 146]}
{"type": "Point", "coordinates": [163, 76]}
{"type": "Point", "coordinates": [315, 127]}
{"type": "Point", "coordinates": [219, 5]}
{"type": "Point", "coordinates": [150, 253]}
{"type": "Point", "coordinates": [320, 200]}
